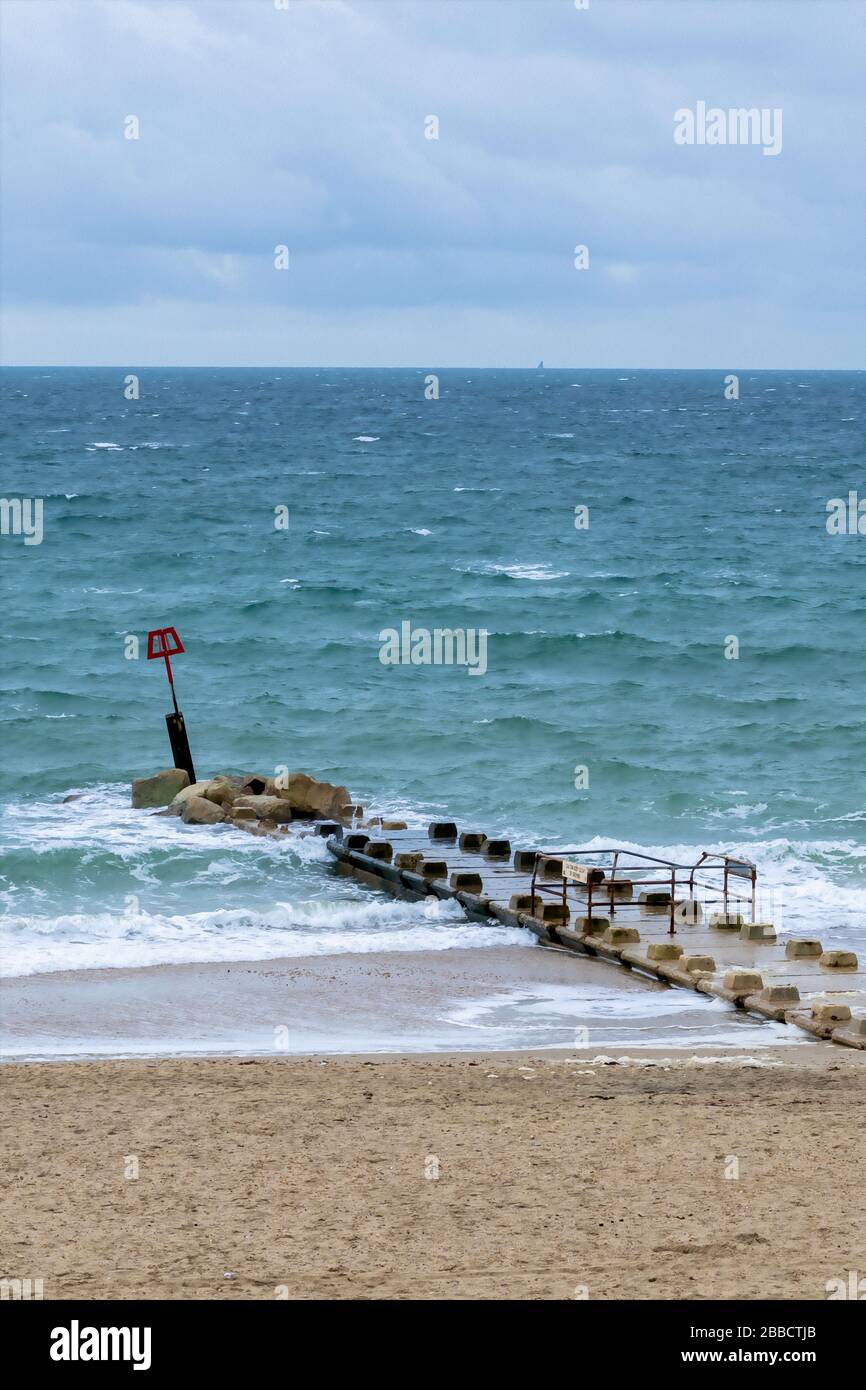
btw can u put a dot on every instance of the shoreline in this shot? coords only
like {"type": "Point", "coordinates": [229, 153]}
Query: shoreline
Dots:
{"type": "Point", "coordinates": [490, 999]}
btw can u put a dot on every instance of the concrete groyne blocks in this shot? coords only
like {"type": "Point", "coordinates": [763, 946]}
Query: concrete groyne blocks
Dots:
{"type": "Point", "coordinates": [726, 921]}
{"type": "Point", "coordinates": [839, 960]}
{"type": "Point", "coordinates": [522, 902]}
{"type": "Point", "coordinates": [472, 839]}
{"type": "Point", "coordinates": [550, 911]}
{"type": "Point", "coordinates": [758, 931]}
{"type": "Point", "coordinates": [621, 936]}
{"type": "Point", "coordinates": [379, 849]}
{"type": "Point", "coordinates": [699, 965]}
{"type": "Point", "coordinates": [612, 890]}
{"type": "Point", "coordinates": [548, 867]}
{"type": "Point", "coordinates": [442, 830]}
{"type": "Point", "coordinates": [433, 868]}
{"type": "Point", "coordinates": [497, 849]}
{"type": "Point", "coordinates": [327, 828]}
{"type": "Point", "coordinates": [394, 825]}
{"type": "Point", "coordinates": [780, 994]}
{"type": "Point", "coordinates": [799, 947]}
{"type": "Point", "coordinates": [663, 950]}
{"type": "Point", "coordinates": [743, 982]}
{"type": "Point", "coordinates": [591, 926]}
{"type": "Point", "coordinates": [355, 840]}
{"type": "Point", "coordinates": [466, 881]}
{"type": "Point", "coordinates": [829, 1011]}
{"type": "Point", "coordinates": [408, 859]}
{"type": "Point", "coordinates": [525, 860]}
{"type": "Point", "coordinates": [655, 898]}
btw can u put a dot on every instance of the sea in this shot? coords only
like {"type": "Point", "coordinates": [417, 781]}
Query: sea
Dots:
{"type": "Point", "coordinates": [675, 641]}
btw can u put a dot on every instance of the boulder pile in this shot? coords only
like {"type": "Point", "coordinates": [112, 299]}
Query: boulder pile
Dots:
{"type": "Point", "coordinates": [262, 805]}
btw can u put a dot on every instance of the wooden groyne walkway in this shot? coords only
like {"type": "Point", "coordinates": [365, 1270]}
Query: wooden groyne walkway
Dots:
{"type": "Point", "coordinates": [688, 925]}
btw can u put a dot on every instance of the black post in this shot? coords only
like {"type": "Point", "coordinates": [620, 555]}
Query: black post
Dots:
{"type": "Point", "coordinates": [180, 743]}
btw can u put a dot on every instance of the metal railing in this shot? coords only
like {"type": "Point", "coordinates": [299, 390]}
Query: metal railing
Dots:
{"type": "Point", "coordinates": [622, 880]}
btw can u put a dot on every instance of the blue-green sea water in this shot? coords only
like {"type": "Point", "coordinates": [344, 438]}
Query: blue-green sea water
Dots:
{"type": "Point", "coordinates": [606, 646]}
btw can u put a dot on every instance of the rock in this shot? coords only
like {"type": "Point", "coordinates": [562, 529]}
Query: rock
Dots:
{"type": "Point", "coordinates": [194, 789]}
{"type": "Point", "coordinates": [321, 800]}
{"type": "Point", "coordinates": [266, 807]}
{"type": "Point", "coordinates": [72, 796]}
{"type": "Point", "coordinates": [199, 811]}
{"type": "Point", "coordinates": [222, 791]}
{"type": "Point", "coordinates": [160, 789]}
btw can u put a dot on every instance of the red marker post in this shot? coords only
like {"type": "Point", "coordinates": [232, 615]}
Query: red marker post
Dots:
{"type": "Point", "coordinates": [164, 642]}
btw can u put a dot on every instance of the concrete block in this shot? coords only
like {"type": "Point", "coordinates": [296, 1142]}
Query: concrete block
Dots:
{"type": "Point", "coordinates": [699, 965]}
{"type": "Point", "coordinates": [548, 867]}
{"type": "Point", "coordinates": [468, 882]}
{"type": "Point", "coordinates": [326, 828]}
{"type": "Point", "coordinates": [613, 889]}
{"type": "Point", "coordinates": [726, 921]}
{"type": "Point", "coordinates": [442, 830]}
{"type": "Point", "coordinates": [591, 926]}
{"type": "Point", "coordinates": [663, 950]}
{"type": "Point", "coordinates": [743, 982]}
{"type": "Point", "coordinates": [798, 947]}
{"type": "Point", "coordinates": [825, 1011]}
{"type": "Point", "coordinates": [355, 840]}
{"type": "Point", "coordinates": [408, 859]}
{"type": "Point", "coordinates": [497, 849]}
{"type": "Point", "coordinates": [379, 849]}
{"type": "Point", "coordinates": [524, 860]}
{"type": "Point", "coordinates": [757, 931]}
{"type": "Point", "coordinates": [522, 902]}
{"type": "Point", "coordinates": [839, 960]}
{"type": "Point", "coordinates": [550, 911]}
{"type": "Point", "coordinates": [433, 868]}
{"type": "Point", "coordinates": [654, 898]}
{"type": "Point", "coordinates": [621, 936]}
{"type": "Point", "coordinates": [857, 1027]}
{"type": "Point", "coordinates": [472, 839]}
{"type": "Point", "coordinates": [780, 994]}
{"type": "Point", "coordinates": [394, 825]}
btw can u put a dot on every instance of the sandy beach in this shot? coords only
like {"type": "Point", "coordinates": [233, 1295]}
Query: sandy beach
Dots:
{"type": "Point", "coordinates": [500, 1176]}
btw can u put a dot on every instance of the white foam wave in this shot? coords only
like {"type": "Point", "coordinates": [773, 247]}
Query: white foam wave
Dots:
{"type": "Point", "coordinates": [116, 940]}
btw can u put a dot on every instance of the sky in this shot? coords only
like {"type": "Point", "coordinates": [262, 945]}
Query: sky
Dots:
{"type": "Point", "coordinates": [305, 124]}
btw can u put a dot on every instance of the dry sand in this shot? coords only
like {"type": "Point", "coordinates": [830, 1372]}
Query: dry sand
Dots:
{"type": "Point", "coordinates": [554, 1173]}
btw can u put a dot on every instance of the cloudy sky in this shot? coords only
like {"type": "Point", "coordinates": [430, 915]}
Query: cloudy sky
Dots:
{"type": "Point", "coordinates": [302, 123]}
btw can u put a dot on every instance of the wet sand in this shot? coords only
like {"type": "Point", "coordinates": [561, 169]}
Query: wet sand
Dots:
{"type": "Point", "coordinates": [474, 999]}
{"type": "Point", "coordinates": [497, 1176]}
